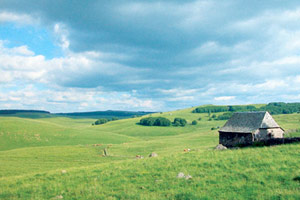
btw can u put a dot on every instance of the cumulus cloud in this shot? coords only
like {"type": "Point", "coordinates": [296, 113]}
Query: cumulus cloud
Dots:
{"type": "Point", "coordinates": [23, 74]}
{"type": "Point", "coordinates": [170, 53]}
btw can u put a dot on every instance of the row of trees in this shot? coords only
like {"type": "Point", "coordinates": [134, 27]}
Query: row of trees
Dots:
{"type": "Point", "coordinates": [273, 108]}
{"type": "Point", "coordinates": [282, 108]}
{"type": "Point", "coordinates": [151, 121]}
{"type": "Point", "coordinates": [155, 121]}
{"type": "Point", "coordinates": [162, 121]}
{"type": "Point", "coordinates": [215, 109]}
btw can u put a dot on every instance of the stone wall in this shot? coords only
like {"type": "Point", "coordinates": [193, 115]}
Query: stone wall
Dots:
{"type": "Point", "coordinates": [265, 134]}
{"type": "Point", "coordinates": [277, 133]}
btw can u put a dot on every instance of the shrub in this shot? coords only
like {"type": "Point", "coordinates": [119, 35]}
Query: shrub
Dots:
{"type": "Point", "coordinates": [214, 128]}
{"type": "Point", "coordinates": [180, 121]}
{"type": "Point", "coordinates": [199, 119]}
{"type": "Point", "coordinates": [114, 118]}
{"type": "Point", "coordinates": [214, 116]}
{"type": "Point", "coordinates": [161, 121]}
{"type": "Point", "coordinates": [149, 121]}
{"type": "Point", "coordinates": [155, 121]}
{"type": "Point", "coordinates": [100, 121]}
{"type": "Point", "coordinates": [194, 122]}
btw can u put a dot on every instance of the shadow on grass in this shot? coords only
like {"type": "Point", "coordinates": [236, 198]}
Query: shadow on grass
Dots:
{"type": "Point", "coordinates": [297, 179]}
{"type": "Point", "coordinates": [270, 142]}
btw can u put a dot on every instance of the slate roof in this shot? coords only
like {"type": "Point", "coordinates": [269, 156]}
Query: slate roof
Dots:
{"type": "Point", "coordinates": [248, 122]}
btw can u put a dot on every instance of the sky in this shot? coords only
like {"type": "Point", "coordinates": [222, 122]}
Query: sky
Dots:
{"type": "Point", "coordinates": [67, 56]}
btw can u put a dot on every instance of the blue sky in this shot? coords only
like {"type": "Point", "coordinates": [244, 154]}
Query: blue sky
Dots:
{"type": "Point", "coordinates": [153, 55]}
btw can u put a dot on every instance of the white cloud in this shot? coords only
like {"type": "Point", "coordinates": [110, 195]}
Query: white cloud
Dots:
{"type": "Point", "coordinates": [284, 18]}
{"type": "Point", "coordinates": [26, 66]}
{"type": "Point", "coordinates": [19, 63]}
{"type": "Point", "coordinates": [224, 98]}
{"type": "Point", "coordinates": [182, 98]}
{"type": "Point", "coordinates": [178, 91]}
{"type": "Point", "coordinates": [16, 17]}
{"type": "Point", "coordinates": [62, 33]}
{"type": "Point", "coordinates": [73, 99]}
{"type": "Point", "coordinates": [21, 50]}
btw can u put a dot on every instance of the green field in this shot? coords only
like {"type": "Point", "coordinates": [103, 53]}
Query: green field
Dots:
{"type": "Point", "coordinates": [34, 152]}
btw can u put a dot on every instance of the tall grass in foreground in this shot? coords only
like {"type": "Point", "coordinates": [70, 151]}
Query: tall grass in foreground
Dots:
{"type": "Point", "coordinates": [250, 173]}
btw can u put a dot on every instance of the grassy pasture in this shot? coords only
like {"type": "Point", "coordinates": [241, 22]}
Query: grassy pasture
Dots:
{"type": "Point", "coordinates": [34, 151]}
{"type": "Point", "coordinates": [251, 173]}
{"type": "Point", "coordinates": [20, 133]}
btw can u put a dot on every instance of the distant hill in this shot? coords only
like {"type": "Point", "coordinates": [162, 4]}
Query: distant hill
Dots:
{"type": "Point", "coordinates": [33, 114]}
{"type": "Point", "coordinates": [10, 112]}
{"type": "Point", "coordinates": [104, 114]}
{"type": "Point", "coordinates": [94, 115]}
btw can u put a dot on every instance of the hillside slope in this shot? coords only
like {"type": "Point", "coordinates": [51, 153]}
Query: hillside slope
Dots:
{"type": "Point", "coordinates": [33, 153]}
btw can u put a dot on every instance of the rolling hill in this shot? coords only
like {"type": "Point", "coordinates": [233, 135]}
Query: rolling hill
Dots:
{"type": "Point", "coordinates": [62, 157]}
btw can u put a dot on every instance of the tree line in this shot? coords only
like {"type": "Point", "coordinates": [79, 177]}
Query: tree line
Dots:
{"type": "Point", "coordinates": [272, 108]}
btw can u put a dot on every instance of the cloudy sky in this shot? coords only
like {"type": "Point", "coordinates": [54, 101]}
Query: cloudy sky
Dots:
{"type": "Point", "coordinates": [150, 55]}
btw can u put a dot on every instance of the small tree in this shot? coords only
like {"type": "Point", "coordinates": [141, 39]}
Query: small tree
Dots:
{"type": "Point", "coordinates": [161, 121]}
{"type": "Point", "coordinates": [194, 122]}
{"type": "Point", "coordinates": [148, 121]}
{"type": "Point", "coordinates": [180, 121]}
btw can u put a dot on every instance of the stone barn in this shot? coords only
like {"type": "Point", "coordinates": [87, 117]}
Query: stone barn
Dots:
{"type": "Point", "coordinates": [244, 128]}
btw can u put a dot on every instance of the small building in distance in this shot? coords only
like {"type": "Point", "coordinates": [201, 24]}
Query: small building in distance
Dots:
{"type": "Point", "coordinates": [244, 128]}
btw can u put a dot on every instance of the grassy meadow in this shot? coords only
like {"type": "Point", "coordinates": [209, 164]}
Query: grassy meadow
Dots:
{"type": "Point", "coordinates": [58, 157]}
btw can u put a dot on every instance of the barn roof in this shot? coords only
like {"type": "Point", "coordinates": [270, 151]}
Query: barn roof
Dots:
{"type": "Point", "coordinates": [248, 122]}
